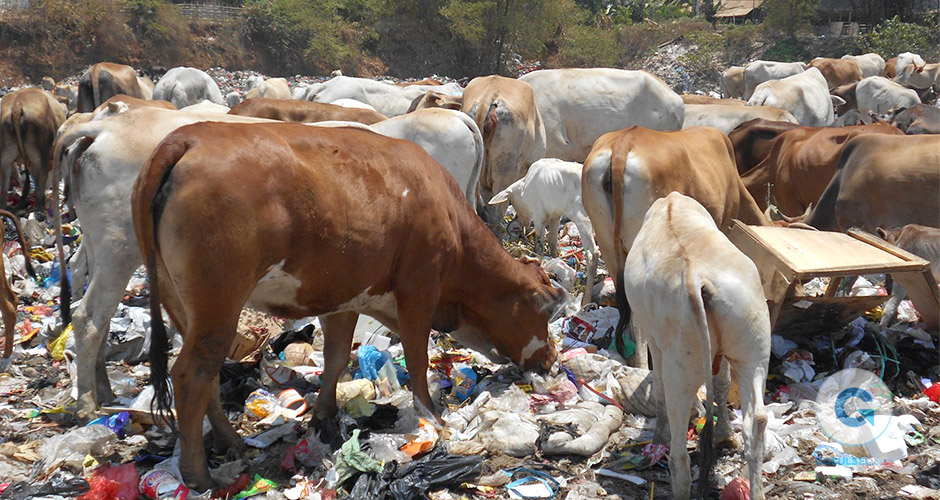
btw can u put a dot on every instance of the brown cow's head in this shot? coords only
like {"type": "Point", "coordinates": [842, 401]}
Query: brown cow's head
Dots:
{"type": "Point", "coordinates": [890, 235]}
{"type": "Point", "coordinates": [523, 336]}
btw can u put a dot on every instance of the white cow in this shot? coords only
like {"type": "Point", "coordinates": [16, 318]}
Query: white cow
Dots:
{"type": "Point", "coordinates": [758, 72]}
{"type": "Point", "coordinates": [919, 77]}
{"type": "Point", "coordinates": [805, 95]}
{"type": "Point", "coordinates": [580, 105]}
{"type": "Point", "coordinates": [113, 150]}
{"type": "Point", "coordinates": [450, 137]}
{"type": "Point", "coordinates": [552, 189]}
{"type": "Point", "coordinates": [206, 107]}
{"type": "Point", "coordinates": [732, 82]}
{"type": "Point", "coordinates": [696, 297]}
{"type": "Point", "coordinates": [184, 86]}
{"type": "Point", "coordinates": [726, 118]}
{"type": "Point", "coordinates": [908, 59]}
{"type": "Point", "coordinates": [390, 100]}
{"type": "Point", "coordinates": [870, 64]}
{"type": "Point", "coordinates": [877, 94]}
{"type": "Point", "coordinates": [352, 103]}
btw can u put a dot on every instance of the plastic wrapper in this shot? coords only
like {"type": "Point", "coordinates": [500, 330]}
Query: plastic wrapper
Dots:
{"type": "Point", "coordinates": [260, 485]}
{"type": "Point", "coordinates": [114, 483]}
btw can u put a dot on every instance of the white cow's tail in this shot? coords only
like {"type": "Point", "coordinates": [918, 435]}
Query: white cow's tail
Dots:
{"type": "Point", "coordinates": [87, 132]}
{"type": "Point", "coordinates": [699, 297]}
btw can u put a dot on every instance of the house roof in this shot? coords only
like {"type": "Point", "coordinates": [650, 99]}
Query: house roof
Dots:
{"type": "Point", "coordinates": [737, 8]}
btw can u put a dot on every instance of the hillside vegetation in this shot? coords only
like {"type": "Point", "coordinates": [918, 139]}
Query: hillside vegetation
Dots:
{"type": "Point", "coordinates": [408, 38]}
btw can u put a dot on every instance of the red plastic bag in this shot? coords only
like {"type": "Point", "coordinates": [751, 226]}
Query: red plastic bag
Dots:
{"type": "Point", "coordinates": [933, 392]}
{"type": "Point", "coordinates": [114, 483]}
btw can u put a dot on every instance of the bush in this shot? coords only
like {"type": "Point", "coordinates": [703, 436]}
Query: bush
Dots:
{"type": "Point", "coordinates": [787, 50]}
{"type": "Point", "coordinates": [894, 36]}
{"type": "Point", "coordinates": [299, 36]}
{"type": "Point", "coordinates": [162, 32]}
{"type": "Point", "coordinates": [587, 46]}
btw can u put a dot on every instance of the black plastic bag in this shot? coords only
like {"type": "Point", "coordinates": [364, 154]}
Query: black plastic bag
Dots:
{"type": "Point", "coordinates": [59, 484]}
{"type": "Point", "coordinates": [434, 470]}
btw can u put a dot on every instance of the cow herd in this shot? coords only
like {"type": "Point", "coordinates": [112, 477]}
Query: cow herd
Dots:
{"type": "Point", "coordinates": [358, 196]}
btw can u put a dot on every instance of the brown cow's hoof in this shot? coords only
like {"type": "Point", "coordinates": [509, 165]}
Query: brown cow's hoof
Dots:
{"type": "Point", "coordinates": [728, 442]}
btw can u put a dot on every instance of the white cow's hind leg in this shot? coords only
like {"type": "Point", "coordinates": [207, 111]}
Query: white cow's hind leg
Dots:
{"type": "Point", "coordinates": [751, 383]}
{"type": "Point", "coordinates": [682, 386]}
{"type": "Point", "coordinates": [92, 322]}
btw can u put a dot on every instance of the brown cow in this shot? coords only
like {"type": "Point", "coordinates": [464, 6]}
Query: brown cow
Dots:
{"type": "Point", "coordinates": [837, 72]}
{"type": "Point", "coordinates": [752, 141]}
{"type": "Point", "coordinates": [432, 99]}
{"type": "Point", "coordinates": [800, 164]}
{"type": "Point", "coordinates": [291, 110]}
{"type": "Point", "coordinates": [7, 296]}
{"type": "Point", "coordinates": [704, 99]}
{"type": "Point", "coordinates": [342, 224]}
{"type": "Point", "coordinates": [104, 80]}
{"type": "Point", "coordinates": [921, 241]}
{"type": "Point", "coordinates": [917, 119]}
{"type": "Point", "coordinates": [628, 170]}
{"type": "Point", "coordinates": [882, 181]}
{"type": "Point", "coordinates": [29, 119]}
{"type": "Point", "coordinates": [847, 93]}
{"type": "Point", "coordinates": [890, 68]}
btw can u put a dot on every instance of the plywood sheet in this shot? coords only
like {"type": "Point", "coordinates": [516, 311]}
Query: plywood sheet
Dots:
{"type": "Point", "coordinates": [819, 252]}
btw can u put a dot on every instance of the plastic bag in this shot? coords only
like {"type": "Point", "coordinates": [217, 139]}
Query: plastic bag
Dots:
{"type": "Point", "coordinates": [69, 449]}
{"type": "Point", "coordinates": [425, 440]}
{"type": "Point", "coordinates": [434, 470]}
{"type": "Point", "coordinates": [114, 483]}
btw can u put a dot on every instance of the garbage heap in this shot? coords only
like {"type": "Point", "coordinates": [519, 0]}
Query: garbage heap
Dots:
{"type": "Point", "coordinates": [583, 431]}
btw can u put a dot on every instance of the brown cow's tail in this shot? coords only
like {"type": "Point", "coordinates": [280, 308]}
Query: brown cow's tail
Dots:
{"type": "Point", "coordinates": [95, 91]}
{"type": "Point", "coordinates": [22, 239]}
{"type": "Point", "coordinates": [618, 165]}
{"type": "Point", "coordinates": [149, 197]}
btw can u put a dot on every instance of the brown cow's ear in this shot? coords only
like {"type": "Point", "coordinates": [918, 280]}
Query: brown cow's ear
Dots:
{"type": "Point", "coordinates": [882, 233]}
{"type": "Point", "coordinates": [549, 300]}
{"type": "Point", "coordinates": [525, 259]}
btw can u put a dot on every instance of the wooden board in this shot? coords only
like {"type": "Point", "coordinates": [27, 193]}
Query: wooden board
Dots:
{"type": "Point", "coordinates": [823, 253]}
{"type": "Point", "coordinates": [785, 256]}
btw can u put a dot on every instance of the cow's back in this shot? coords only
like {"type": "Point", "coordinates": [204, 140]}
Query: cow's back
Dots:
{"type": "Point", "coordinates": [580, 105]}
{"type": "Point", "coordinates": [753, 140]}
{"type": "Point", "coordinates": [882, 181]}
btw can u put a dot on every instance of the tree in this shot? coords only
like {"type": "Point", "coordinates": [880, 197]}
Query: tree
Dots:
{"type": "Point", "coordinates": [788, 17]}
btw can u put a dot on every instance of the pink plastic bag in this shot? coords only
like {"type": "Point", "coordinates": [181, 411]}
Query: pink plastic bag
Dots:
{"type": "Point", "coordinates": [114, 483]}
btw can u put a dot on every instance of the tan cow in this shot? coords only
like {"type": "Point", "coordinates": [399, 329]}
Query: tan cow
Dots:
{"type": "Point", "coordinates": [882, 181]}
{"type": "Point", "coordinates": [699, 299]}
{"type": "Point", "coordinates": [432, 99]}
{"type": "Point", "coordinates": [304, 111]}
{"type": "Point", "coordinates": [837, 71]}
{"type": "Point", "coordinates": [29, 119]}
{"type": "Point", "coordinates": [272, 88]}
{"type": "Point", "coordinates": [800, 165]}
{"type": "Point", "coordinates": [104, 80]}
{"type": "Point", "coordinates": [8, 299]}
{"type": "Point", "coordinates": [630, 169]}
{"type": "Point", "coordinates": [753, 140]}
{"type": "Point", "coordinates": [727, 118]}
{"type": "Point", "coordinates": [345, 230]}
{"type": "Point", "coordinates": [513, 134]}
{"type": "Point", "coordinates": [732, 82]}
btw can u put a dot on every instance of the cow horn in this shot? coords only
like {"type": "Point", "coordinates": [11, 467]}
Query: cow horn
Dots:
{"type": "Point", "coordinates": [801, 225]}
